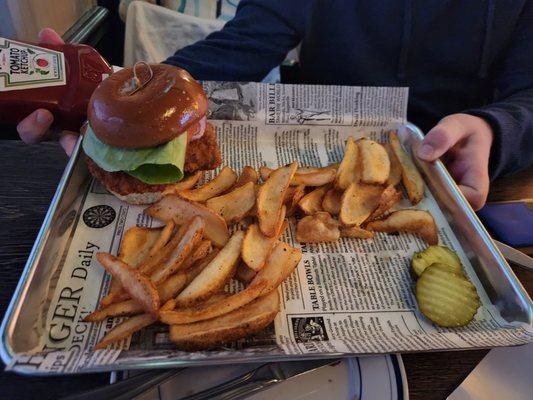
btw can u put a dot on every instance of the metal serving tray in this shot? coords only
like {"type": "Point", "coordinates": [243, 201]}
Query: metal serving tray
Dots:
{"type": "Point", "coordinates": [503, 288]}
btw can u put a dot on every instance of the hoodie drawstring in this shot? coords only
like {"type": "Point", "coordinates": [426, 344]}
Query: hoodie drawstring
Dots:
{"type": "Point", "coordinates": [406, 38]}
{"type": "Point", "coordinates": [489, 19]}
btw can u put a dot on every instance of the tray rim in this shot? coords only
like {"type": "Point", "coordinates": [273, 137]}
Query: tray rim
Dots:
{"type": "Point", "coordinates": [6, 352]}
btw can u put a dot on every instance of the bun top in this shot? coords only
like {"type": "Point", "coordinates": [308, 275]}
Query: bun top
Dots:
{"type": "Point", "coordinates": [169, 103]}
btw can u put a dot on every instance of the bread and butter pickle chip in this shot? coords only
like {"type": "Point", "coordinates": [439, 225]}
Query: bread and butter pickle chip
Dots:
{"type": "Point", "coordinates": [447, 298]}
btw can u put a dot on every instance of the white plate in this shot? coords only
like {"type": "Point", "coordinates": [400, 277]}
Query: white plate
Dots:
{"type": "Point", "coordinates": [357, 378]}
{"type": "Point", "coordinates": [362, 378]}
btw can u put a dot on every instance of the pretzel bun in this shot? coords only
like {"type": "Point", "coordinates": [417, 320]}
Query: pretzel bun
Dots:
{"type": "Point", "coordinates": [170, 103]}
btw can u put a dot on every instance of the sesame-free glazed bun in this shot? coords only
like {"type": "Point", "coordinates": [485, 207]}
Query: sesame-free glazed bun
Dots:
{"type": "Point", "coordinates": [170, 103]}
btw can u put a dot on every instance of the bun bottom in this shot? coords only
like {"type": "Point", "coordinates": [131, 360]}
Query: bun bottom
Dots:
{"type": "Point", "coordinates": [146, 198]}
{"type": "Point", "coordinates": [139, 198]}
{"type": "Point", "coordinates": [126, 188]}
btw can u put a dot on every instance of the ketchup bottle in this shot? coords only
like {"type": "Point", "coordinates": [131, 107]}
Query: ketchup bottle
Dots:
{"type": "Point", "coordinates": [59, 78]}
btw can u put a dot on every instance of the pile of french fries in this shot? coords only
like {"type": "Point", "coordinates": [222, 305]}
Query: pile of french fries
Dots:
{"type": "Point", "coordinates": [177, 274]}
{"type": "Point", "coordinates": [357, 198]}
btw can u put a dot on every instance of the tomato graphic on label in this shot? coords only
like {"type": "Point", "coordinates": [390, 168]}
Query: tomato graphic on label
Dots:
{"type": "Point", "coordinates": [41, 62]}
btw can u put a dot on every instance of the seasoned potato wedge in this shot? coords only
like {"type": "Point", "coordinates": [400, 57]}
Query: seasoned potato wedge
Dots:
{"type": "Point", "coordinates": [174, 208]}
{"type": "Point", "coordinates": [248, 174]}
{"type": "Point", "coordinates": [311, 203]}
{"type": "Point", "coordinates": [244, 273]}
{"type": "Point", "coordinates": [215, 275]}
{"type": "Point", "coordinates": [235, 205]}
{"type": "Point", "coordinates": [375, 163]}
{"type": "Point", "coordinates": [331, 202]}
{"type": "Point", "coordinates": [411, 178]}
{"type": "Point", "coordinates": [270, 198]}
{"type": "Point", "coordinates": [320, 227]}
{"type": "Point", "coordinates": [125, 329]}
{"type": "Point", "coordinates": [356, 232]}
{"type": "Point", "coordinates": [296, 195]}
{"type": "Point", "coordinates": [280, 265]}
{"type": "Point", "coordinates": [137, 244]}
{"type": "Point", "coordinates": [349, 170]}
{"type": "Point", "coordinates": [222, 182]}
{"type": "Point", "coordinates": [306, 176]}
{"type": "Point", "coordinates": [358, 202]}
{"type": "Point", "coordinates": [126, 307]}
{"type": "Point", "coordinates": [417, 222]}
{"type": "Point", "coordinates": [190, 235]}
{"type": "Point", "coordinates": [388, 198]}
{"type": "Point", "coordinates": [237, 324]}
{"type": "Point", "coordinates": [320, 177]}
{"type": "Point", "coordinates": [256, 247]}
{"type": "Point", "coordinates": [395, 174]}
{"type": "Point", "coordinates": [187, 183]}
{"type": "Point", "coordinates": [136, 284]}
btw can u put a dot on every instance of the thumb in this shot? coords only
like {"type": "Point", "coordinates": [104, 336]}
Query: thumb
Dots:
{"type": "Point", "coordinates": [49, 36]}
{"type": "Point", "coordinates": [439, 140]}
{"type": "Point", "coordinates": [34, 127]}
{"type": "Point", "coordinates": [475, 183]}
{"type": "Point", "coordinates": [68, 142]}
{"type": "Point", "coordinates": [475, 196]}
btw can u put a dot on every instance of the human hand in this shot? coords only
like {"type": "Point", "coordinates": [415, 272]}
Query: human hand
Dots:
{"type": "Point", "coordinates": [464, 141]}
{"type": "Point", "coordinates": [36, 126]}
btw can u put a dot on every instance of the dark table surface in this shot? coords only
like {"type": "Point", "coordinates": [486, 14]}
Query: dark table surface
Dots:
{"type": "Point", "coordinates": [29, 175]}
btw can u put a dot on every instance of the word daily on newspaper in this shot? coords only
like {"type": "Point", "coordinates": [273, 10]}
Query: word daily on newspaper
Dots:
{"type": "Point", "coordinates": [352, 296]}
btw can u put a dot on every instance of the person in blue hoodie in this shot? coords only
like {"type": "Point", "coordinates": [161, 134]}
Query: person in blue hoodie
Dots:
{"type": "Point", "coordinates": [468, 65]}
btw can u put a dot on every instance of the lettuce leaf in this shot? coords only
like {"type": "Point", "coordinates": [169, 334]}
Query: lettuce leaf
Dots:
{"type": "Point", "coordinates": [155, 165]}
{"type": "Point", "coordinates": [157, 173]}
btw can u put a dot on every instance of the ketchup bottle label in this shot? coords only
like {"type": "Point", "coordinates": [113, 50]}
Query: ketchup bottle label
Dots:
{"type": "Point", "coordinates": [25, 66]}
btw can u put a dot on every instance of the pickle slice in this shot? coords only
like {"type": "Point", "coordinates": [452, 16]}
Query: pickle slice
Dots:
{"type": "Point", "coordinates": [447, 298]}
{"type": "Point", "coordinates": [435, 254]}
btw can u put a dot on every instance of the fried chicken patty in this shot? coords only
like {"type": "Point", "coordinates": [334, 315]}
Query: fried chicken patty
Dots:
{"type": "Point", "coordinates": [201, 154]}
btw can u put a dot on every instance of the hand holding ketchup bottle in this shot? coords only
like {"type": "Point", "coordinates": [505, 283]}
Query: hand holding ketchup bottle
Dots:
{"type": "Point", "coordinates": [62, 105]}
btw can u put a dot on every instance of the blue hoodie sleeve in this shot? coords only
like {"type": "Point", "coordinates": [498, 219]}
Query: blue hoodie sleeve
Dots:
{"type": "Point", "coordinates": [511, 115]}
{"type": "Point", "coordinates": [250, 45]}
